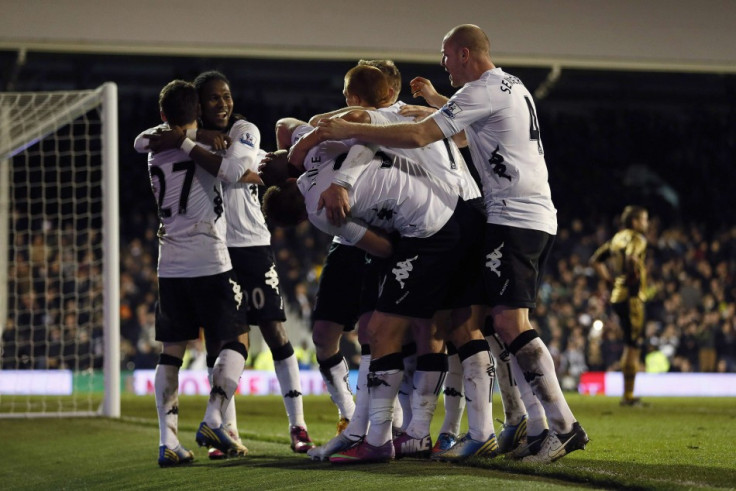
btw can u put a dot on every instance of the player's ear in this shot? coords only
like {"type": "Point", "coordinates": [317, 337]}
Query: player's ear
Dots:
{"type": "Point", "coordinates": [163, 116]}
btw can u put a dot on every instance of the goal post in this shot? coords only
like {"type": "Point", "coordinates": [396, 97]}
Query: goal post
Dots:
{"type": "Point", "coordinates": [59, 254]}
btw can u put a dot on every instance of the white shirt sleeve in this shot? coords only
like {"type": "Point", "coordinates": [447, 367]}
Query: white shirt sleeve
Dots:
{"type": "Point", "coordinates": [354, 164]}
{"type": "Point", "coordinates": [242, 154]}
{"type": "Point", "coordinates": [468, 105]}
{"type": "Point", "coordinates": [350, 232]}
{"type": "Point", "coordinates": [141, 143]}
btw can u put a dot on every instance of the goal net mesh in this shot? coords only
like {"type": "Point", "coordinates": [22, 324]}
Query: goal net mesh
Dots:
{"type": "Point", "coordinates": [51, 228]}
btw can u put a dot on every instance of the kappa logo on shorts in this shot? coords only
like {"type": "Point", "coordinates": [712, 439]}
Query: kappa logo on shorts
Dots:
{"type": "Point", "coordinates": [401, 272]}
{"type": "Point", "coordinates": [237, 293]}
{"type": "Point", "coordinates": [451, 109]}
{"type": "Point", "coordinates": [494, 260]}
{"type": "Point", "coordinates": [272, 278]}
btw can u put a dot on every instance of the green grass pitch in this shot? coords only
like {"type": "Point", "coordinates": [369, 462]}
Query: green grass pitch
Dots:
{"type": "Point", "coordinates": [675, 443]}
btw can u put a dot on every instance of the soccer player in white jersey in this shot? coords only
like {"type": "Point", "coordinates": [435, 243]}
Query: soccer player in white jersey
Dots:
{"type": "Point", "coordinates": [499, 118]}
{"type": "Point", "coordinates": [444, 161]}
{"type": "Point", "coordinates": [521, 407]}
{"type": "Point", "coordinates": [197, 285]}
{"type": "Point", "coordinates": [249, 245]}
{"type": "Point", "coordinates": [434, 257]}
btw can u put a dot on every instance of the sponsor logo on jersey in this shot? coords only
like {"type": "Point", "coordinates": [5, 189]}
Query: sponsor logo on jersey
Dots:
{"type": "Point", "coordinates": [497, 163]}
{"type": "Point", "coordinates": [402, 270]}
{"type": "Point", "coordinates": [451, 109]}
{"type": "Point", "coordinates": [247, 139]}
{"type": "Point", "coordinates": [493, 260]}
{"type": "Point", "coordinates": [272, 278]}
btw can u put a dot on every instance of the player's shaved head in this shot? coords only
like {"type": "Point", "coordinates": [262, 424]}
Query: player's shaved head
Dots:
{"type": "Point", "coordinates": [469, 36]}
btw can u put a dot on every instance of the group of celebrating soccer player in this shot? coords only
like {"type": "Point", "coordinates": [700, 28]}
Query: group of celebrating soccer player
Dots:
{"type": "Point", "coordinates": [437, 271]}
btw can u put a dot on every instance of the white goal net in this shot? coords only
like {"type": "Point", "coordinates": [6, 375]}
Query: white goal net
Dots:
{"type": "Point", "coordinates": [59, 254]}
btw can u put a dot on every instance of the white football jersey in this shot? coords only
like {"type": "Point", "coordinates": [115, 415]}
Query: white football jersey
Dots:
{"type": "Point", "coordinates": [441, 158]}
{"type": "Point", "coordinates": [500, 121]}
{"type": "Point", "coordinates": [393, 194]}
{"type": "Point", "coordinates": [192, 218]}
{"type": "Point", "coordinates": [246, 224]}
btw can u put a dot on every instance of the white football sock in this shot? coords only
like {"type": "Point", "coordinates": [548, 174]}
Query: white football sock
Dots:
{"type": "Point", "coordinates": [478, 384]}
{"type": "Point", "coordinates": [336, 381]}
{"type": "Point", "coordinates": [427, 388]}
{"type": "Point", "coordinates": [166, 388]}
{"type": "Point", "coordinates": [358, 426]}
{"type": "Point", "coordinates": [454, 399]}
{"type": "Point", "coordinates": [383, 387]}
{"type": "Point", "coordinates": [225, 377]}
{"type": "Point", "coordinates": [539, 370]}
{"type": "Point", "coordinates": [287, 373]}
{"type": "Point", "coordinates": [513, 406]}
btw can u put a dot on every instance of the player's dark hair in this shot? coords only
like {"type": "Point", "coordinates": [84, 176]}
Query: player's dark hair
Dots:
{"type": "Point", "coordinates": [631, 213]}
{"type": "Point", "coordinates": [369, 83]}
{"type": "Point", "coordinates": [389, 69]}
{"type": "Point", "coordinates": [178, 101]}
{"type": "Point", "coordinates": [206, 77]}
{"type": "Point", "coordinates": [283, 204]}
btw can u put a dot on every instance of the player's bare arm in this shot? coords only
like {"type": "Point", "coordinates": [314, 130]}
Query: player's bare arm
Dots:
{"type": "Point", "coordinates": [314, 120]}
{"type": "Point", "coordinates": [284, 128]}
{"type": "Point", "coordinates": [215, 139]}
{"type": "Point", "coordinates": [400, 135]}
{"type": "Point", "coordinates": [422, 87]}
{"type": "Point", "coordinates": [376, 243]}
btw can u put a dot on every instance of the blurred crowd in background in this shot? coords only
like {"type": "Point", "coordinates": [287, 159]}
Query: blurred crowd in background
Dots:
{"type": "Point", "coordinates": [603, 152]}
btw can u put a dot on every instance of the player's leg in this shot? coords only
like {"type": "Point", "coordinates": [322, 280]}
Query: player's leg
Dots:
{"type": "Point", "coordinates": [427, 383]}
{"type": "Point", "coordinates": [535, 425]}
{"type": "Point", "coordinates": [287, 373]}
{"type": "Point", "coordinates": [174, 327]}
{"type": "Point", "coordinates": [386, 333]}
{"type": "Point", "coordinates": [337, 307]}
{"type": "Point", "coordinates": [512, 282]}
{"type": "Point", "coordinates": [166, 388]}
{"type": "Point", "coordinates": [409, 353]}
{"type": "Point", "coordinates": [478, 374]}
{"type": "Point", "coordinates": [631, 316]}
{"type": "Point", "coordinates": [356, 428]}
{"type": "Point", "coordinates": [454, 402]}
{"type": "Point", "coordinates": [513, 428]}
{"type": "Point", "coordinates": [229, 416]}
{"type": "Point", "coordinates": [218, 306]}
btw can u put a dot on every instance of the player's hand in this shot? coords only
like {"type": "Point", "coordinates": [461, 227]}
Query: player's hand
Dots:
{"type": "Point", "coordinates": [214, 138]}
{"type": "Point", "coordinates": [422, 87]}
{"type": "Point", "coordinates": [416, 112]}
{"type": "Point", "coordinates": [334, 129]}
{"type": "Point", "coordinates": [165, 140]}
{"type": "Point", "coordinates": [334, 200]}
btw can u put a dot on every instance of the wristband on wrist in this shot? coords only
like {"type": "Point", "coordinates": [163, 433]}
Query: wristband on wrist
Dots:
{"type": "Point", "coordinates": [342, 183]}
{"type": "Point", "coordinates": [187, 145]}
{"type": "Point", "coordinates": [192, 134]}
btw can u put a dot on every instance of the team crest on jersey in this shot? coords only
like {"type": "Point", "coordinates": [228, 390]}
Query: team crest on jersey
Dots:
{"type": "Point", "coordinates": [451, 109]}
{"type": "Point", "coordinates": [247, 139]}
